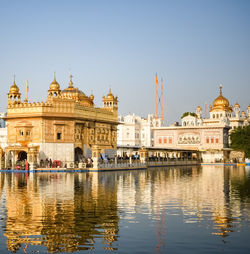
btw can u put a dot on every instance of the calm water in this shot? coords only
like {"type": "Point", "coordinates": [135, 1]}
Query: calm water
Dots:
{"type": "Point", "coordinates": [166, 210]}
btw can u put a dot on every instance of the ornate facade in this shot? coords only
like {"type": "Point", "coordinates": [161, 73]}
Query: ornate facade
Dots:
{"type": "Point", "coordinates": [65, 127]}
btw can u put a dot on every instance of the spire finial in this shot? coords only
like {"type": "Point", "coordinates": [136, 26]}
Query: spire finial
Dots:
{"type": "Point", "coordinates": [14, 82]}
{"type": "Point", "coordinates": [220, 89]}
{"type": "Point", "coordinates": [70, 81]}
{"type": "Point", "coordinates": [54, 75]}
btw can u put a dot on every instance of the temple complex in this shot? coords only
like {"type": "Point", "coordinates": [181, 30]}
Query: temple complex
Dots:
{"type": "Point", "coordinates": [66, 127]}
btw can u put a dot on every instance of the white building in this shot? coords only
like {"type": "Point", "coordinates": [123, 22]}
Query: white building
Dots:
{"type": "Point", "coordinates": [208, 135]}
{"type": "Point", "coordinates": [221, 113]}
{"type": "Point", "coordinates": [135, 131]}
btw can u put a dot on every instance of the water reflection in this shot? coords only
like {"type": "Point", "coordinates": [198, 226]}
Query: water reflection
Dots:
{"type": "Point", "coordinates": [64, 212]}
{"type": "Point", "coordinates": [68, 212]}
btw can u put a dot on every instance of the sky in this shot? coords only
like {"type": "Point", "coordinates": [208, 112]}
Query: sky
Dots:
{"type": "Point", "coordinates": [192, 45]}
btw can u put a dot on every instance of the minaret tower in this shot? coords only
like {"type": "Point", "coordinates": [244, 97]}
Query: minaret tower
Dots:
{"type": "Point", "coordinates": [110, 102]}
{"type": "Point", "coordinates": [236, 109]}
{"type": "Point", "coordinates": [14, 96]}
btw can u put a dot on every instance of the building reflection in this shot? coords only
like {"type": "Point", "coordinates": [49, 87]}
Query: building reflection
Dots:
{"type": "Point", "coordinates": [199, 194]}
{"type": "Point", "coordinates": [72, 212]}
{"type": "Point", "coordinates": [63, 212]}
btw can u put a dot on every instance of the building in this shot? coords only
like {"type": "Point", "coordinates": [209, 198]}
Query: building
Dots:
{"type": "Point", "coordinates": [65, 127]}
{"type": "Point", "coordinates": [210, 136]}
{"type": "Point", "coordinates": [134, 132]}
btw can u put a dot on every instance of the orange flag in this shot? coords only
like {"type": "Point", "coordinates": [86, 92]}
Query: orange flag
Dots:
{"type": "Point", "coordinates": [156, 80]}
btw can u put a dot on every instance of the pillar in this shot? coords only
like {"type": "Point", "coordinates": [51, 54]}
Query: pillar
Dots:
{"type": "Point", "coordinates": [143, 152]}
{"type": "Point", "coordinates": [130, 158]}
{"type": "Point", "coordinates": [32, 157]}
{"type": "Point", "coordinates": [95, 156]}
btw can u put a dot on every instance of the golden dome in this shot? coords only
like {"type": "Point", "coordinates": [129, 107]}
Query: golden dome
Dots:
{"type": "Point", "coordinates": [91, 97]}
{"type": "Point", "coordinates": [54, 86]}
{"type": "Point", "coordinates": [221, 103]}
{"type": "Point", "coordinates": [236, 105]}
{"type": "Point", "coordinates": [110, 96]}
{"type": "Point", "coordinates": [77, 95]}
{"type": "Point", "coordinates": [14, 88]}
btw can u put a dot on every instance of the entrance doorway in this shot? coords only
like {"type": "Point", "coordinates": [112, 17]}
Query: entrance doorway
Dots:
{"type": "Point", "coordinates": [22, 156]}
{"type": "Point", "coordinates": [78, 154]}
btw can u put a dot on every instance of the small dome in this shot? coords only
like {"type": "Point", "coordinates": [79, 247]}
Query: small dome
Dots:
{"type": "Point", "coordinates": [110, 96]}
{"type": "Point", "coordinates": [92, 97]}
{"type": "Point", "coordinates": [243, 113]}
{"type": "Point", "coordinates": [54, 86]}
{"type": "Point", "coordinates": [14, 88]}
{"type": "Point", "coordinates": [236, 105]}
{"type": "Point", "coordinates": [198, 108]}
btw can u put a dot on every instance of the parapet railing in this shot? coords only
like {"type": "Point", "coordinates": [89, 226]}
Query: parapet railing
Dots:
{"type": "Point", "coordinates": [121, 165]}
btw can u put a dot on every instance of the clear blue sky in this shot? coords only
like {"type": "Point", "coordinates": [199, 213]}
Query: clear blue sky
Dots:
{"type": "Point", "coordinates": [193, 45]}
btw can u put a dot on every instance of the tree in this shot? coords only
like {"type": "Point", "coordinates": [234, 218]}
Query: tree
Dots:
{"type": "Point", "coordinates": [240, 140]}
{"type": "Point", "coordinates": [188, 113]}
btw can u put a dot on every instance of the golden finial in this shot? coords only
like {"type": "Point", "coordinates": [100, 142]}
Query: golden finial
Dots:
{"type": "Point", "coordinates": [220, 89]}
{"type": "Point", "coordinates": [14, 82]}
{"type": "Point", "coordinates": [54, 75]}
{"type": "Point", "coordinates": [71, 82]}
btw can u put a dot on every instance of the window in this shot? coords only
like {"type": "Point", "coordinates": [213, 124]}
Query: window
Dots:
{"type": "Point", "coordinates": [165, 140]}
{"type": "Point", "coordinates": [170, 140]}
{"type": "Point", "coordinates": [216, 140]}
{"type": "Point", "coordinates": [59, 135]}
{"type": "Point", "coordinates": [159, 140]}
{"type": "Point", "coordinates": [207, 140]}
{"type": "Point", "coordinates": [212, 140]}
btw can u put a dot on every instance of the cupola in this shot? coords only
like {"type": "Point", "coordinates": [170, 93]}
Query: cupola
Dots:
{"type": "Point", "coordinates": [14, 96]}
{"type": "Point", "coordinates": [54, 88]}
{"type": "Point", "coordinates": [110, 102]}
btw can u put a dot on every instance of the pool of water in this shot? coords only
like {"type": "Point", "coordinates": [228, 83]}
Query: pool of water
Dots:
{"type": "Point", "coordinates": [162, 210]}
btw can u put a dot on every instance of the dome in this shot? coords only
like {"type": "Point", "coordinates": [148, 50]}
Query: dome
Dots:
{"type": "Point", "coordinates": [54, 86]}
{"type": "Point", "coordinates": [91, 97]}
{"type": "Point", "coordinates": [236, 105]}
{"type": "Point", "coordinates": [14, 88]}
{"type": "Point", "coordinates": [110, 96]}
{"type": "Point", "coordinates": [221, 103]}
{"type": "Point", "coordinates": [77, 95]}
